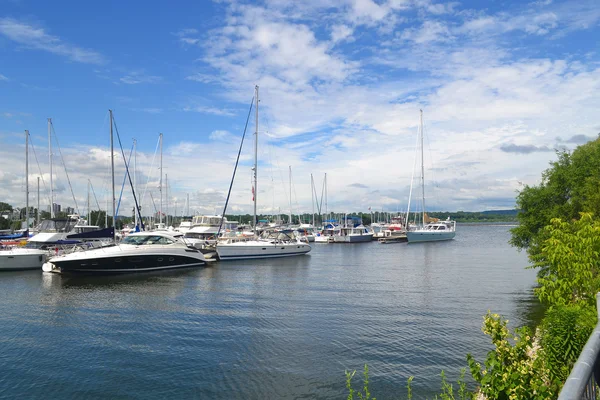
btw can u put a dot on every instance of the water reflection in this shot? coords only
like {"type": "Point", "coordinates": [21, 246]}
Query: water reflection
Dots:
{"type": "Point", "coordinates": [275, 328]}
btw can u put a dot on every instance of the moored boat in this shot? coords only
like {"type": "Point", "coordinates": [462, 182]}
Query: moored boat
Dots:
{"type": "Point", "coordinates": [138, 252]}
{"type": "Point", "coordinates": [431, 230]}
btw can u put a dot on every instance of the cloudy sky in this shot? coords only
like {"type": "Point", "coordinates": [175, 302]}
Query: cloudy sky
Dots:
{"type": "Point", "coordinates": [501, 84]}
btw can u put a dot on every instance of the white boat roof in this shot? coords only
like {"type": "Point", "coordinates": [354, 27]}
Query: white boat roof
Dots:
{"type": "Point", "coordinates": [167, 234]}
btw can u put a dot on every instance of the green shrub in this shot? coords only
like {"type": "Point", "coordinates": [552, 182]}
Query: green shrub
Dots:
{"type": "Point", "coordinates": [564, 331]}
{"type": "Point", "coordinates": [511, 371]}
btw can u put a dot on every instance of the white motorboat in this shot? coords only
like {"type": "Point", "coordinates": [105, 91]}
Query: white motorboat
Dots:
{"type": "Point", "coordinates": [18, 259]}
{"type": "Point", "coordinates": [184, 226]}
{"type": "Point", "coordinates": [351, 234]}
{"type": "Point", "coordinates": [432, 229]}
{"type": "Point", "coordinates": [433, 232]}
{"type": "Point", "coordinates": [305, 232]}
{"type": "Point", "coordinates": [137, 252]}
{"type": "Point", "coordinates": [205, 229]}
{"type": "Point", "coordinates": [271, 243]}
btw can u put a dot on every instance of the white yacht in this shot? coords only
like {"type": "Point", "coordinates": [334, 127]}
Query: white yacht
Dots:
{"type": "Point", "coordinates": [270, 243]}
{"type": "Point", "coordinates": [137, 252]}
{"type": "Point", "coordinates": [305, 232]}
{"type": "Point", "coordinates": [19, 259]}
{"type": "Point", "coordinates": [205, 228]}
{"type": "Point", "coordinates": [431, 230]}
{"type": "Point", "coordinates": [184, 226]}
{"type": "Point", "coordinates": [351, 234]}
{"type": "Point", "coordinates": [325, 235]}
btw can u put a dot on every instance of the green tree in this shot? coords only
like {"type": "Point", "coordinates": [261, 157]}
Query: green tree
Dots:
{"type": "Point", "coordinates": [568, 262]}
{"type": "Point", "coordinates": [570, 186]}
{"type": "Point", "coordinates": [5, 207]}
{"type": "Point", "coordinates": [4, 223]}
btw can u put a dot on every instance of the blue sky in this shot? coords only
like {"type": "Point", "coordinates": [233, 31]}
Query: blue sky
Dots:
{"type": "Point", "coordinates": [501, 84]}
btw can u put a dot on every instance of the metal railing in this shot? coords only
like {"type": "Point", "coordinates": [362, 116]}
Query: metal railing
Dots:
{"type": "Point", "coordinates": [582, 382]}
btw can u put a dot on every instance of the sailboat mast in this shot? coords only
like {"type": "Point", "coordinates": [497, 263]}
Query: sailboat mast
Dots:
{"type": "Point", "coordinates": [135, 214]}
{"type": "Point", "coordinates": [167, 198]}
{"type": "Point", "coordinates": [326, 214]}
{"type": "Point", "coordinates": [255, 156]}
{"type": "Point", "coordinates": [38, 200]}
{"type": "Point", "coordinates": [290, 218]}
{"type": "Point", "coordinates": [112, 171]}
{"type": "Point", "coordinates": [160, 181]}
{"type": "Point", "coordinates": [312, 196]}
{"type": "Point", "coordinates": [50, 162]}
{"type": "Point", "coordinates": [422, 167]}
{"type": "Point", "coordinates": [88, 204]}
{"type": "Point", "coordinates": [27, 180]}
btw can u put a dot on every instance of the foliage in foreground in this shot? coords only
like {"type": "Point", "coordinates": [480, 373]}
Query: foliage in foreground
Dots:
{"type": "Point", "coordinates": [447, 393]}
{"type": "Point", "coordinates": [569, 262]}
{"type": "Point", "coordinates": [563, 334]}
{"type": "Point", "coordinates": [512, 370]}
{"type": "Point", "coordinates": [568, 187]}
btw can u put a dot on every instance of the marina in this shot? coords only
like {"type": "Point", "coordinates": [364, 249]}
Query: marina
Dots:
{"type": "Point", "coordinates": [282, 327]}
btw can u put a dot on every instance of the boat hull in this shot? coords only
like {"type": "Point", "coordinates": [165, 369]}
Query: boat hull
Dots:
{"type": "Point", "coordinates": [428, 236]}
{"type": "Point", "coordinates": [367, 237]}
{"type": "Point", "coordinates": [124, 262]}
{"type": "Point", "coordinates": [323, 239]}
{"type": "Point", "coordinates": [254, 250]}
{"type": "Point", "coordinates": [21, 259]}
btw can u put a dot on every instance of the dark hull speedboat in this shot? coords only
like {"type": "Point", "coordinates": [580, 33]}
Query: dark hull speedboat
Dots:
{"type": "Point", "coordinates": [138, 252]}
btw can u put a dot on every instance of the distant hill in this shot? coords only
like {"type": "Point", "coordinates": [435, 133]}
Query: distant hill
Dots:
{"type": "Point", "coordinates": [501, 212]}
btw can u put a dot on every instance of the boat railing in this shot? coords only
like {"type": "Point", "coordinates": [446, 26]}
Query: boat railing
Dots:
{"type": "Point", "coordinates": [582, 382]}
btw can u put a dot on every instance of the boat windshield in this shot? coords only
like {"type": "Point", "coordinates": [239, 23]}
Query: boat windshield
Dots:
{"type": "Point", "coordinates": [146, 240]}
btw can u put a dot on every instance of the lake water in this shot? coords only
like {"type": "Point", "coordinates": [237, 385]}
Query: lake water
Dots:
{"type": "Point", "coordinates": [264, 329]}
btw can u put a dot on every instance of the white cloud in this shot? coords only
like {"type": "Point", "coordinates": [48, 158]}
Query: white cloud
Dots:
{"type": "Point", "coordinates": [430, 31]}
{"type": "Point", "coordinates": [341, 33]}
{"type": "Point", "coordinates": [136, 77]}
{"type": "Point", "coordinates": [202, 78]}
{"type": "Point", "coordinates": [220, 135]}
{"type": "Point", "coordinates": [149, 110]}
{"type": "Point", "coordinates": [33, 37]}
{"type": "Point", "coordinates": [3, 78]}
{"type": "Point", "coordinates": [224, 112]}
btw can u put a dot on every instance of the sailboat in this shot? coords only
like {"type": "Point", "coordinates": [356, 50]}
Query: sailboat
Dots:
{"type": "Point", "coordinates": [20, 258]}
{"type": "Point", "coordinates": [270, 244]}
{"type": "Point", "coordinates": [432, 229]}
{"type": "Point", "coordinates": [138, 252]}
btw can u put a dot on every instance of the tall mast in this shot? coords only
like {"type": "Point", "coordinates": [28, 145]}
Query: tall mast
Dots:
{"type": "Point", "coordinates": [88, 204]}
{"type": "Point", "coordinates": [255, 156]}
{"type": "Point", "coordinates": [50, 162]}
{"type": "Point", "coordinates": [290, 220]}
{"type": "Point", "coordinates": [38, 200]}
{"type": "Point", "coordinates": [135, 214]}
{"type": "Point", "coordinates": [312, 196]}
{"type": "Point", "coordinates": [167, 198]}
{"type": "Point", "coordinates": [160, 184]}
{"type": "Point", "coordinates": [27, 180]}
{"type": "Point", "coordinates": [112, 170]}
{"type": "Point", "coordinates": [422, 169]}
{"type": "Point", "coordinates": [326, 195]}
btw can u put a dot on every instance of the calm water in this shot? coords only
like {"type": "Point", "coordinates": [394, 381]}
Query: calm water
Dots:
{"type": "Point", "coordinates": [281, 328]}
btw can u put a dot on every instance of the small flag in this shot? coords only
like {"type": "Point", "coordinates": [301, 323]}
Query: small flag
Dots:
{"type": "Point", "coordinates": [369, 208]}
{"type": "Point", "coordinates": [252, 193]}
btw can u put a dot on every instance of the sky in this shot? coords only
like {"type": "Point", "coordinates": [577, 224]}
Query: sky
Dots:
{"type": "Point", "coordinates": [502, 85]}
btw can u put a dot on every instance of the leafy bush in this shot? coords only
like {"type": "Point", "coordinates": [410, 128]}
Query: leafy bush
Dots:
{"type": "Point", "coordinates": [564, 331]}
{"type": "Point", "coordinates": [512, 371]}
{"type": "Point", "coordinates": [569, 262]}
{"type": "Point", "coordinates": [447, 388]}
